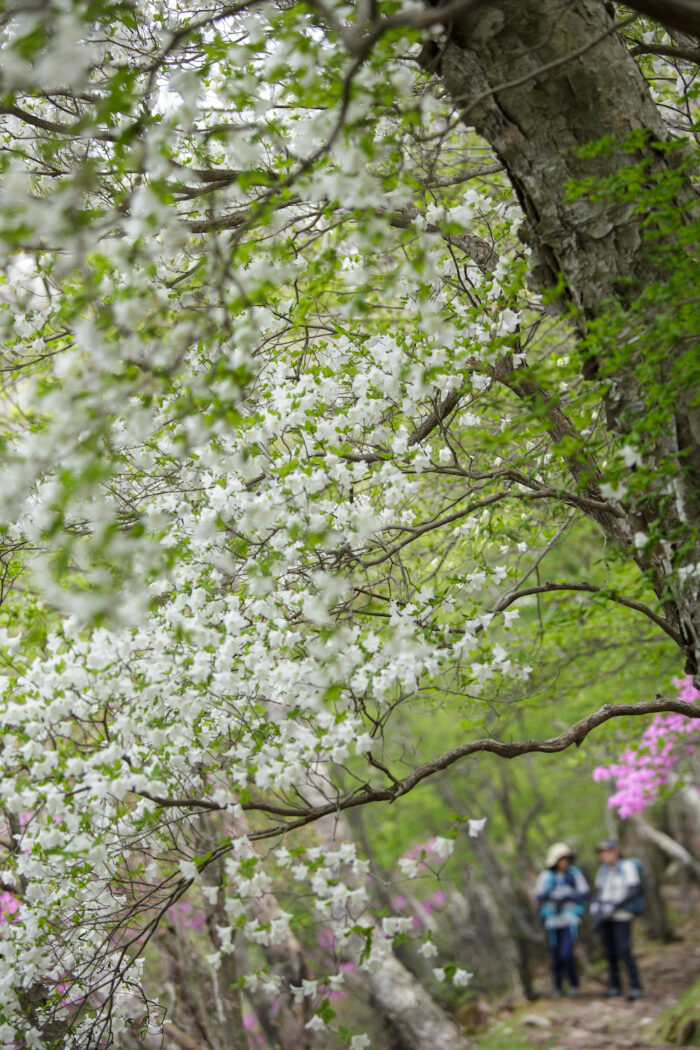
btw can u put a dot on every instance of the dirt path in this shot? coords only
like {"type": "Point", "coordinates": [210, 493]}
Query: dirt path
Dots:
{"type": "Point", "coordinates": [595, 1023]}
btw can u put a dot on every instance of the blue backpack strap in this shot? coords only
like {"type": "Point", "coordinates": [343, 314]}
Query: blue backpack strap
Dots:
{"type": "Point", "coordinates": [635, 901]}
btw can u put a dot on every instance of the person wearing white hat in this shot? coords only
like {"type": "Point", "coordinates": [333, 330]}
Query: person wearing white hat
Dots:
{"type": "Point", "coordinates": [562, 892]}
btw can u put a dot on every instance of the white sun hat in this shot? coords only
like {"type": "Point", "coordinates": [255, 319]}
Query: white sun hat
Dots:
{"type": "Point", "coordinates": [556, 852]}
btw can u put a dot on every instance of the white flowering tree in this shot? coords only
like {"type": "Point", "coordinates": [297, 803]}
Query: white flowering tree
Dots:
{"type": "Point", "coordinates": [297, 302]}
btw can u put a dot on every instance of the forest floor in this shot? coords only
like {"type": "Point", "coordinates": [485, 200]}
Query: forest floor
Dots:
{"type": "Point", "coordinates": [595, 1023]}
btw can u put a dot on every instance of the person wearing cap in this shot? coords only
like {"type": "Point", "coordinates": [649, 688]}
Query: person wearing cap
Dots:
{"type": "Point", "coordinates": [562, 892]}
{"type": "Point", "coordinates": [617, 887]}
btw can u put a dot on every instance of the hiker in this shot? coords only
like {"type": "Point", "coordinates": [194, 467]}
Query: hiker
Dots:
{"type": "Point", "coordinates": [618, 898]}
{"type": "Point", "coordinates": [562, 892]}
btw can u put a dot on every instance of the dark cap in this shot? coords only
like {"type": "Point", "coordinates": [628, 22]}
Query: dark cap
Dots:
{"type": "Point", "coordinates": [607, 844]}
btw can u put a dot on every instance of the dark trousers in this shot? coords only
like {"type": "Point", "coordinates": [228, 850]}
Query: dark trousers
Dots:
{"type": "Point", "coordinates": [617, 946]}
{"type": "Point", "coordinates": [561, 957]}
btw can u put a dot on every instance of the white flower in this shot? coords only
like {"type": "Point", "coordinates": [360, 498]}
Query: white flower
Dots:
{"type": "Point", "coordinates": [408, 867]}
{"type": "Point", "coordinates": [480, 382]}
{"type": "Point", "coordinates": [462, 978]}
{"type": "Point", "coordinates": [316, 1023]}
{"type": "Point", "coordinates": [509, 320]}
{"type": "Point", "coordinates": [395, 924]}
{"type": "Point", "coordinates": [688, 572]}
{"type": "Point", "coordinates": [475, 827]}
{"type": "Point", "coordinates": [427, 950]}
{"type": "Point", "coordinates": [631, 456]}
{"type": "Point", "coordinates": [462, 214]}
{"type": "Point", "coordinates": [443, 847]}
{"type": "Point", "coordinates": [613, 491]}
{"type": "Point", "coordinates": [640, 540]}
{"type": "Point", "coordinates": [508, 616]}
{"type": "Point", "coordinates": [225, 933]}
{"type": "Point", "coordinates": [188, 869]}
{"type": "Point", "coordinates": [434, 213]}
{"type": "Point", "coordinates": [439, 974]}
{"type": "Point", "coordinates": [359, 1042]}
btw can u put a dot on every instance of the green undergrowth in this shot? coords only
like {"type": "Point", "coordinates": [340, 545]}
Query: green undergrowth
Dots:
{"type": "Point", "coordinates": [680, 1023]}
{"type": "Point", "coordinates": [502, 1037]}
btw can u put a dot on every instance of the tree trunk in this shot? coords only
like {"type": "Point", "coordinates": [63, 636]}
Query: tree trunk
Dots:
{"type": "Point", "coordinates": [637, 842]}
{"type": "Point", "coordinates": [226, 1014]}
{"type": "Point", "coordinates": [539, 80]}
{"type": "Point", "coordinates": [286, 958]}
{"type": "Point", "coordinates": [421, 1023]}
{"type": "Point", "coordinates": [672, 849]}
{"type": "Point", "coordinates": [688, 802]}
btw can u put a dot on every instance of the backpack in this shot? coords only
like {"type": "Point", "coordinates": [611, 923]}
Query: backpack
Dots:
{"type": "Point", "coordinates": [636, 903]}
{"type": "Point", "coordinates": [547, 909]}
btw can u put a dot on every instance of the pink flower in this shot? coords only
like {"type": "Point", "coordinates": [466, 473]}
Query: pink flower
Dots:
{"type": "Point", "coordinates": [9, 905]}
{"type": "Point", "coordinates": [641, 771]}
{"type": "Point", "coordinates": [326, 939]}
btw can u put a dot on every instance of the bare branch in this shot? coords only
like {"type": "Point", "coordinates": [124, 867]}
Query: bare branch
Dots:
{"type": "Point", "coordinates": [575, 734]}
{"type": "Point", "coordinates": [667, 845]}
{"type": "Point", "coordinates": [549, 588]}
{"type": "Point", "coordinates": [686, 54]}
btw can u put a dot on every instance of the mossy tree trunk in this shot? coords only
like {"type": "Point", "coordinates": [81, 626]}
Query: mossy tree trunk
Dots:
{"type": "Point", "coordinates": [540, 80]}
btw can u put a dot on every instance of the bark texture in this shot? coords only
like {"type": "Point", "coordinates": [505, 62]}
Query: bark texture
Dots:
{"type": "Point", "coordinates": [286, 958]}
{"type": "Point", "coordinates": [397, 994]}
{"type": "Point", "coordinates": [674, 850]}
{"type": "Point", "coordinates": [539, 80]}
{"type": "Point", "coordinates": [418, 1019]}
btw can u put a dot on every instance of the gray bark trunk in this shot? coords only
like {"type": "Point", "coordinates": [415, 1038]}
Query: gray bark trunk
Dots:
{"type": "Point", "coordinates": [637, 842]}
{"type": "Point", "coordinates": [672, 849]}
{"type": "Point", "coordinates": [539, 80]}
{"type": "Point", "coordinates": [418, 1019]}
{"type": "Point", "coordinates": [226, 1014]}
{"type": "Point", "coordinates": [287, 960]}
{"type": "Point", "coordinates": [687, 802]}
{"type": "Point", "coordinates": [421, 1023]}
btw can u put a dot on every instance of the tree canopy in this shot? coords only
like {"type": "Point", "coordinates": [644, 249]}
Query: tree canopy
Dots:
{"type": "Point", "coordinates": [331, 331]}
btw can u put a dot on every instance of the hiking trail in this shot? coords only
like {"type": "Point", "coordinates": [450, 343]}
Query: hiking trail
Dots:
{"type": "Point", "coordinates": [592, 1022]}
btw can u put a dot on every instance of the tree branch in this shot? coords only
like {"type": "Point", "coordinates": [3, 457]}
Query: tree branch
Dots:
{"type": "Point", "coordinates": [365, 795]}
{"type": "Point", "coordinates": [70, 130]}
{"type": "Point", "coordinates": [676, 14]}
{"type": "Point", "coordinates": [421, 432]}
{"type": "Point", "coordinates": [688, 54]}
{"type": "Point", "coordinates": [674, 850]}
{"type": "Point", "coordinates": [548, 588]}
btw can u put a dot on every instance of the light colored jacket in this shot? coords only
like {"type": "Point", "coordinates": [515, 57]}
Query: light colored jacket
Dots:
{"type": "Point", "coordinates": [616, 884]}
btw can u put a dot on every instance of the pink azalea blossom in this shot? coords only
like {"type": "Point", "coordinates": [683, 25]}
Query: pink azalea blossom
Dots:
{"type": "Point", "coordinates": [641, 771]}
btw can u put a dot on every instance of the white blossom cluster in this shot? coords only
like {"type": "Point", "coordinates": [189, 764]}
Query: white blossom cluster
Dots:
{"type": "Point", "coordinates": [239, 299]}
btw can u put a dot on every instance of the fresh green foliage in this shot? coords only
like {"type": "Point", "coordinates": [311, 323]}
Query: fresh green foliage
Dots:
{"type": "Point", "coordinates": [302, 488]}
